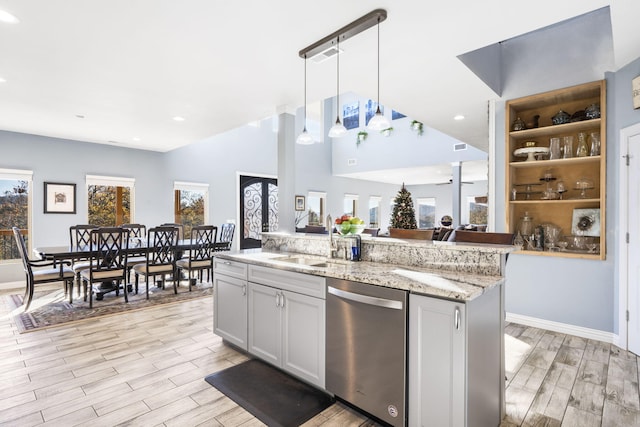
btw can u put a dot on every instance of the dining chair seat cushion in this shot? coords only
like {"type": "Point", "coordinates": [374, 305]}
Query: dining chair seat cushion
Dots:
{"type": "Point", "coordinates": [153, 269]}
{"type": "Point", "coordinates": [107, 274]}
{"type": "Point", "coordinates": [184, 263]}
{"type": "Point", "coordinates": [79, 266]}
{"type": "Point", "coordinates": [51, 274]}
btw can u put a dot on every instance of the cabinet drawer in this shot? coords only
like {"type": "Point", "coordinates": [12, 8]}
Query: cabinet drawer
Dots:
{"type": "Point", "coordinates": [230, 268]}
{"type": "Point", "coordinates": [305, 284]}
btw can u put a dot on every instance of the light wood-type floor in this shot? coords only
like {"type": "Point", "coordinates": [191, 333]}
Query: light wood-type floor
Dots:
{"type": "Point", "coordinates": [146, 368]}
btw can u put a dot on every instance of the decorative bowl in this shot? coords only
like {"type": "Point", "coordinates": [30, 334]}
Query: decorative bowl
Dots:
{"type": "Point", "coordinates": [342, 229]}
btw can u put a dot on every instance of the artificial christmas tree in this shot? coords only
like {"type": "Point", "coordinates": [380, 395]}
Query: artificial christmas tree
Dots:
{"type": "Point", "coordinates": [403, 215]}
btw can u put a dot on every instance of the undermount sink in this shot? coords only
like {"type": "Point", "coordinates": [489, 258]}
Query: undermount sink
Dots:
{"type": "Point", "coordinates": [312, 262]}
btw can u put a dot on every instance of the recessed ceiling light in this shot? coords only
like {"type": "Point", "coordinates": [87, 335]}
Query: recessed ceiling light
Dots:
{"type": "Point", "coordinates": [135, 138]}
{"type": "Point", "coordinates": [178, 119]}
{"type": "Point", "coordinates": [458, 117]}
{"type": "Point", "coordinates": [7, 17]}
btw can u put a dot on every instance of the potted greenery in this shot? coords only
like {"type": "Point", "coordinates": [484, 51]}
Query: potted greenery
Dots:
{"type": "Point", "coordinates": [362, 136]}
{"type": "Point", "coordinates": [417, 126]}
{"type": "Point", "coordinates": [387, 131]}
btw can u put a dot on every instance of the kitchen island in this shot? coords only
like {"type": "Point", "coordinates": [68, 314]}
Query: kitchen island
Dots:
{"type": "Point", "coordinates": [454, 335]}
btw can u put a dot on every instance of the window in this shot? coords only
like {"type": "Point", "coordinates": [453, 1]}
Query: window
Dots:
{"type": "Point", "coordinates": [350, 204]}
{"type": "Point", "coordinates": [374, 211]}
{"type": "Point", "coordinates": [15, 197]}
{"type": "Point", "coordinates": [477, 208]}
{"type": "Point", "coordinates": [426, 212]}
{"type": "Point", "coordinates": [191, 204]}
{"type": "Point", "coordinates": [315, 205]}
{"type": "Point", "coordinates": [110, 200]}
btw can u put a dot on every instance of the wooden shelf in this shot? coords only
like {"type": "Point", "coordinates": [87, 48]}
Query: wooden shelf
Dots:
{"type": "Point", "coordinates": [574, 127]}
{"type": "Point", "coordinates": [541, 108]}
{"type": "Point", "coordinates": [558, 162]}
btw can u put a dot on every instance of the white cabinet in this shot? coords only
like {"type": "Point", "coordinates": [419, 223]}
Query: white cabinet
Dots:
{"type": "Point", "coordinates": [230, 301]}
{"type": "Point", "coordinates": [436, 362]}
{"type": "Point", "coordinates": [456, 361]}
{"type": "Point", "coordinates": [287, 328]}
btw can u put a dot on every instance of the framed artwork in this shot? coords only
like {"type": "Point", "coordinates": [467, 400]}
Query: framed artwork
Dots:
{"type": "Point", "coordinates": [300, 203]}
{"type": "Point", "coordinates": [351, 115]}
{"type": "Point", "coordinates": [59, 198]}
{"type": "Point", "coordinates": [586, 222]}
{"type": "Point", "coordinates": [635, 87]}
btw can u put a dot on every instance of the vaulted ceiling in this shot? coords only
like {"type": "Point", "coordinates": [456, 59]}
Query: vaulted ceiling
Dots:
{"type": "Point", "coordinates": [119, 71]}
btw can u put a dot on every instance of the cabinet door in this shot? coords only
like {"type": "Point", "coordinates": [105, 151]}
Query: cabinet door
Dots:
{"type": "Point", "coordinates": [304, 337]}
{"type": "Point", "coordinates": [265, 323]}
{"type": "Point", "coordinates": [230, 309]}
{"type": "Point", "coordinates": [436, 362]}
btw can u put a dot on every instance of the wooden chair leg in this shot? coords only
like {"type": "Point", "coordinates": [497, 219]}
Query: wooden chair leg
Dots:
{"type": "Point", "coordinates": [126, 296]}
{"type": "Point", "coordinates": [69, 284]}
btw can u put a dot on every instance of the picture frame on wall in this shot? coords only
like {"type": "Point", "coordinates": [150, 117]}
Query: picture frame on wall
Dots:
{"type": "Point", "coordinates": [59, 198]}
{"type": "Point", "coordinates": [586, 222]}
{"type": "Point", "coordinates": [300, 205]}
{"type": "Point", "coordinates": [635, 94]}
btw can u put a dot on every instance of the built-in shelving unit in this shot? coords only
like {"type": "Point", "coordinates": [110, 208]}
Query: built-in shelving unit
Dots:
{"type": "Point", "coordinates": [530, 178]}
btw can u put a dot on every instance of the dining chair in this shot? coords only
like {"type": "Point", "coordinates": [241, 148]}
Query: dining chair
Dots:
{"type": "Point", "coordinates": [42, 275]}
{"type": "Point", "coordinates": [137, 238]}
{"type": "Point", "coordinates": [108, 262]}
{"type": "Point", "coordinates": [226, 237]}
{"type": "Point", "coordinates": [79, 238]}
{"type": "Point", "coordinates": [180, 228]}
{"type": "Point", "coordinates": [160, 258]}
{"type": "Point", "coordinates": [203, 240]}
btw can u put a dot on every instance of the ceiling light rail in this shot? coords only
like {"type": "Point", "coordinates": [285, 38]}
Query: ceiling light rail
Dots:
{"type": "Point", "coordinates": [354, 28]}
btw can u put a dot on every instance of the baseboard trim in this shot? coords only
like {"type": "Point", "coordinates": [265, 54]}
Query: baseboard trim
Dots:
{"type": "Point", "coordinates": [564, 328]}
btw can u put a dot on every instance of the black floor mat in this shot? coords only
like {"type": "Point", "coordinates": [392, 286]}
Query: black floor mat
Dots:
{"type": "Point", "coordinates": [272, 396]}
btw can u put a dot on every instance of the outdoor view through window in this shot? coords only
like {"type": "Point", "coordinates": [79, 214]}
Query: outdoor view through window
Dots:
{"type": "Point", "coordinates": [14, 212]}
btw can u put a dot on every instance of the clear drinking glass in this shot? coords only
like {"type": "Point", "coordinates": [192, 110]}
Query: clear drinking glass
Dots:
{"type": "Point", "coordinates": [554, 148]}
{"type": "Point", "coordinates": [567, 148]}
{"type": "Point", "coordinates": [595, 144]}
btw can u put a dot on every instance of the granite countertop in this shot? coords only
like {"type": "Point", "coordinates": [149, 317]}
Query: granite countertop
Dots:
{"type": "Point", "coordinates": [424, 281]}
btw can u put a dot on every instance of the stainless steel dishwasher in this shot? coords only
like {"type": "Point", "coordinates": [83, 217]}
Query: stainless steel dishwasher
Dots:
{"type": "Point", "coordinates": [366, 348]}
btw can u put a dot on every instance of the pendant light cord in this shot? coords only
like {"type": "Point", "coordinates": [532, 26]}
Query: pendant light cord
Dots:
{"type": "Point", "coordinates": [338, 74]}
{"type": "Point", "coordinates": [305, 93]}
{"type": "Point", "coordinates": [378, 62]}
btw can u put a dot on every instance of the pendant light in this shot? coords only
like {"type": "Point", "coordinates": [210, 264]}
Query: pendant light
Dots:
{"type": "Point", "coordinates": [305, 138]}
{"type": "Point", "coordinates": [337, 129]}
{"type": "Point", "coordinates": [379, 121]}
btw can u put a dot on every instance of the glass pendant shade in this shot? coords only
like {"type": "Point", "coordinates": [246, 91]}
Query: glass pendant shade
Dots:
{"type": "Point", "coordinates": [379, 121]}
{"type": "Point", "coordinates": [304, 138]}
{"type": "Point", "coordinates": [337, 129]}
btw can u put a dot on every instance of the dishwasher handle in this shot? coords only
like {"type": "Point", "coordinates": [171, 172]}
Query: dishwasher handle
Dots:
{"type": "Point", "coordinates": [365, 299]}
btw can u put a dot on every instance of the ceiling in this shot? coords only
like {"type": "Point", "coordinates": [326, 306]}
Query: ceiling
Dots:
{"type": "Point", "coordinates": [117, 71]}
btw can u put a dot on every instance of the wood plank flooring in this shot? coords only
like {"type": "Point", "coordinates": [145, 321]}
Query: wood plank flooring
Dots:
{"type": "Point", "coordinates": [146, 368]}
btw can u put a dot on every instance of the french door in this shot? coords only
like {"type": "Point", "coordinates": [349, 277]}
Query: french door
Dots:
{"type": "Point", "coordinates": [258, 209]}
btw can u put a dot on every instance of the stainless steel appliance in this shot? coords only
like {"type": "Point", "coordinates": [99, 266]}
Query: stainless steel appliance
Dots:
{"type": "Point", "coordinates": [366, 348]}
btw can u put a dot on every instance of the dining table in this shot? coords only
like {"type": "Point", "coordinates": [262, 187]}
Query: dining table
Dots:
{"type": "Point", "coordinates": [67, 253]}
